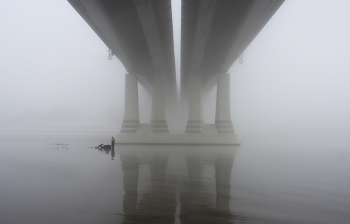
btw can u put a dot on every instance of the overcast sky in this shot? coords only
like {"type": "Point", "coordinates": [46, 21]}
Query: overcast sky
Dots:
{"type": "Point", "coordinates": [294, 82]}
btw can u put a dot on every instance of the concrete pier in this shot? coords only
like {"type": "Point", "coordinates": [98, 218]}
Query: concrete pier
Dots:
{"type": "Point", "coordinates": [131, 116]}
{"type": "Point", "coordinates": [158, 119]}
{"type": "Point", "coordinates": [195, 115]}
{"type": "Point", "coordinates": [223, 115]}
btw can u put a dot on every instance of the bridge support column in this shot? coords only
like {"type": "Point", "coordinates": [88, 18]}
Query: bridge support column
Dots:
{"type": "Point", "coordinates": [131, 116]}
{"type": "Point", "coordinates": [222, 116]}
{"type": "Point", "coordinates": [195, 115]}
{"type": "Point", "coordinates": [158, 119]}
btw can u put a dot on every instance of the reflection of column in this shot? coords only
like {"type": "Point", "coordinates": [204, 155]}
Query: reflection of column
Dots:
{"type": "Point", "coordinates": [195, 115]}
{"type": "Point", "coordinates": [163, 201]}
{"type": "Point", "coordinates": [195, 177]}
{"type": "Point", "coordinates": [159, 123]}
{"type": "Point", "coordinates": [196, 201]}
{"type": "Point", "coordinates": [191, 198]}
{"type": "Point", "coordinates": [223, 168]}
{"type": "Point", "coordinates": [222, 116]}
{"type": "Point", "coordinates": [131, 175]}
{"type": "Point", "coordinates": [131, 116]}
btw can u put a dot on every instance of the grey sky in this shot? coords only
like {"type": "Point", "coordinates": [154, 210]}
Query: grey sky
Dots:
{"type": "Point", "coordinates": [294, 83]}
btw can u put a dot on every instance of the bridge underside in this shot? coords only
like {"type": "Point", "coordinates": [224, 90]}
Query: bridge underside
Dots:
{"type": "Point", "coordinates": [214, 33]}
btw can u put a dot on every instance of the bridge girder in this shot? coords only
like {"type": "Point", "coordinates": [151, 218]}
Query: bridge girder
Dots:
{"type": "Point", "coordinates": [215, 32]}
{"type": "Point", "coordinates": [139, 33]}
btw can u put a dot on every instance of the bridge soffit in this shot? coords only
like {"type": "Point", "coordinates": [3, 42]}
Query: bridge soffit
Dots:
{"type": "Point", "coordinates": [145, 12]}
{"type": "Point", "coordinates": [94, 14]}
{"type": "Point", "coordinates": [203, 24]}
{"type": "Point", "coordinates": [194, 35]}
{"type": "Point", "coordinates": [139, 33]}
{"type": "Point", "coordinates": [258, 16]}
{"type": "Point", "coordinates": [156, 21]}
{"type": "Point", "coordinates": [223, 30]}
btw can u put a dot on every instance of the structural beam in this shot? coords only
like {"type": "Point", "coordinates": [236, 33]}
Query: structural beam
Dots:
{"type": "Point", "coordinates": [95, 15]}
{"type": "Point", "coordinates": [192, 54]}
{"type": "Point", "coordinates": [228, 29]}
{"type": "Point", "coordinates": [260, 12]}
{"type": "Point", "coordinates": [149, 27]}
{"type": "Point", "coordinates": [139, 33]}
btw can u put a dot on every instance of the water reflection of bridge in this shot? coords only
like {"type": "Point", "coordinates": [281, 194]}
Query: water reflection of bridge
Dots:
{"type": "Point", "coordinates": [163, 184]}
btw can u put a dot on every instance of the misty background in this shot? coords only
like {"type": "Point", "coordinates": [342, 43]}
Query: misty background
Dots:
{"type": "Point", "coordinates": [292, 87]}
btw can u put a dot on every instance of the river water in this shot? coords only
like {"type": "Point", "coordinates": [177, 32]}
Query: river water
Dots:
{"type": "Point", "coordinates": [42, 182]}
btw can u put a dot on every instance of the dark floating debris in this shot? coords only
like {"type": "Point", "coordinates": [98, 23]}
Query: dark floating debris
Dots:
{"type": "Point", "coordinates": [102, 146]}
{"type": "Point", "coordinates": [106, 148]}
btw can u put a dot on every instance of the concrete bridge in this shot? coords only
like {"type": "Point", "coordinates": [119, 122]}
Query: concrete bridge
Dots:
{"type": "Point", "coordinates": [214, 33]}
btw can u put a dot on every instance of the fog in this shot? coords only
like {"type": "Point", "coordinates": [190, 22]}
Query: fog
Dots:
{"type": "Point", "coordinates": [292, 86]}
{"type": "Point", "coordinates": [54, 67]}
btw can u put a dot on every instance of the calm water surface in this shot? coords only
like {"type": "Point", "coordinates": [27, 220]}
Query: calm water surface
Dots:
{"type": "Point", "coordinates": [44, 183]}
